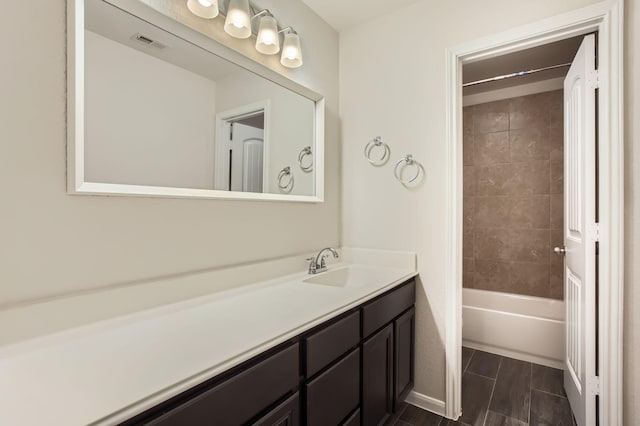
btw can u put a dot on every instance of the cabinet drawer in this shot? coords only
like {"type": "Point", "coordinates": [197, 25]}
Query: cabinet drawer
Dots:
{"type": "Point", "coordinates": [353, 420]}
{"type": "Point", "coordinates": [329, 343]}
{"type": "Point", "coordinates": [285, 414]}
{"type": "Point", "coordinates": [241, 397]}
{"type": "Point", "coordinates": [335, 393]}
{"type": "Point", "coordinates": [383, 310]}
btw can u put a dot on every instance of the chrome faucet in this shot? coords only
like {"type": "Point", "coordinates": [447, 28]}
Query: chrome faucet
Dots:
{"type": "Point", "coordinates": [317, 264]}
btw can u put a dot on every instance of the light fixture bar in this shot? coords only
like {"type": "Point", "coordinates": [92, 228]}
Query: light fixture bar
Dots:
{"type": "Point", "coordinates": [237, 23]}
{"type": "Point", "coordinates": [262, 12]}
{"type": "Point", "coordinates": [288, 29]}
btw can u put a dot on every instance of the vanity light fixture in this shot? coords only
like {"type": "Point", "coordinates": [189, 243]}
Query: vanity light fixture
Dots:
{"type": "Point", "coordinates": [207, 9]}
{"type": "Point", "coordinates": [237, 24]}
{"type": "Point", "coordinates": [291, 51]}
{"type": "Point", "coordinates": [268, 39]}
{"type": "Point", "coordinates": [238, 21]}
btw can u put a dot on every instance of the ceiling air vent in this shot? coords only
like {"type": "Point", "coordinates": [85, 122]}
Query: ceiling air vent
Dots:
{"type": "Point", "coordinates": [143, 39]}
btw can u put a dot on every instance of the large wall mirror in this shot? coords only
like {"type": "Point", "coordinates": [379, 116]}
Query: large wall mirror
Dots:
{"type": "Point", "coordinates": [158, 110]}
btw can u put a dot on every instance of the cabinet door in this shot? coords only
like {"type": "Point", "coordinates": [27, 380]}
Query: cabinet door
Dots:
{"type": "Point", "coordinates": [285, 414]}
{"type": "Point", "coordinates": [377, 377]}
{"type": "Point", "coordinates": [403, 336]}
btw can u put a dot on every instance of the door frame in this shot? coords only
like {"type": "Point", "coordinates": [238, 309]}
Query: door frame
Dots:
{"type": "Point", "coordinates": [221, 159]}
{"type": "Point", "coordinates": [607, 19]}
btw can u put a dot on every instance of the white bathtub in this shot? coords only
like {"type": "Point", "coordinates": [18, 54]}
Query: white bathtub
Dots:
{"type": "Point", "coordinates": [522, 327]}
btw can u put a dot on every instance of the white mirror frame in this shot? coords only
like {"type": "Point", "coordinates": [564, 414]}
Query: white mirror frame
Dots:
{"type": "Point", "coordinates": [75, 110]}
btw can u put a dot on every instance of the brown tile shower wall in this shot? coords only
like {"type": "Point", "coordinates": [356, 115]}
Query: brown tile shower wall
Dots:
{"type": "Point", "coordinates": [513, 195]}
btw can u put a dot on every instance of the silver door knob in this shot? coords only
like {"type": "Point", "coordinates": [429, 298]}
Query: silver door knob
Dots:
{"type": "Point", "coordinates": [560, 250]}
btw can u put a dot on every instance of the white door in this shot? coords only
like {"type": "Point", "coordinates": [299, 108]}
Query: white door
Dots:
{"type": "Point", "coordinates": [246, 158]}
{"type": "Point", "coordinates": [580, 232]}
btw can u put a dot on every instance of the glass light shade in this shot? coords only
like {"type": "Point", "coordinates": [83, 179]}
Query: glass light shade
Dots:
{"type": "Point", "coordinates": [291, 52]}
{"type": "Point", "coordinates": [238, 21]}
{"type": "Point", "coordinates": [268, 41]}
{"type": "Point", "coordinates": [207, 9]}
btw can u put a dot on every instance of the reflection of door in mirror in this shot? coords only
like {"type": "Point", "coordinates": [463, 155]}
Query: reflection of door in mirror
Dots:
{"type": "Point", "coordinates": [242, 148]}
{"type": "Point", "coordinates": [246, 149]}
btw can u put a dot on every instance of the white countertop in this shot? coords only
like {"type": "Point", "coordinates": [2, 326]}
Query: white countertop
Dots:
{"type": "Point", "coordinates": [106, 372]}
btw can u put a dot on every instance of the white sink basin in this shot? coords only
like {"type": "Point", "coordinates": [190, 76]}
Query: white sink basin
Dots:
{"type": "Point", "coordinates": [350, 276]}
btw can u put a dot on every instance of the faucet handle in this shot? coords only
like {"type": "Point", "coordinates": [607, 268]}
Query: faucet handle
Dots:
{"type": "Point", "coordinates": [312, 265]}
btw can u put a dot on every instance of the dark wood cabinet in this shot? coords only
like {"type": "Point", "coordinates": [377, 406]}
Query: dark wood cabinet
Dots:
{"type": "Point", "coordinates": [377, 377]}
{"type": "Point", "coordinates": [353, 420]}
{"type": "Point", "coordinates": [352, 370]}
{"type": "Point", "coordinates": [243, 396]}
{"type": "Point", "coordinates": [328, 344]}
{"type": "Point", "coordinates": [387, 355]}
{"type": "Point", "coordinates": [385, 308]}
{"type": "Point", "coordinates": [403, 354]}
{"type": "Point", "coordinates": [335, 393]}
{"type": "Point", "coordinates": [285, 414]}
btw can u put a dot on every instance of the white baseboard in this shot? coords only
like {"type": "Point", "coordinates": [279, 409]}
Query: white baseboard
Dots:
{"type": "Point", "coordinates": [426, 403]}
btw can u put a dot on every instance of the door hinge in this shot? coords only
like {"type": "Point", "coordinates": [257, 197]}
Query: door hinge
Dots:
{"type": "Point", "coordinates": [594, 232]}
{"type": "Point", "coordinates": [593, 79]}
{"type": "Point", "coordinates": [593, 385]}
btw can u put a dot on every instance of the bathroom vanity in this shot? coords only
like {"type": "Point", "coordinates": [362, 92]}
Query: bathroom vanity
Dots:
{"type": "Point", "coordinates": [284, 349]}
{"type": "Point", "coordinates": [351, 369]}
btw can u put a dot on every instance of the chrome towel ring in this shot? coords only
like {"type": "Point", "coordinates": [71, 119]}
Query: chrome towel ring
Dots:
{"type": "Point", "coordinates": [306, 152]}
{"type": "Point", "coordinates": [406, 162]}
{"type": "Point", "coordinates": [368, 151]}
{"type": "Point", "coordinates": [285, 183]}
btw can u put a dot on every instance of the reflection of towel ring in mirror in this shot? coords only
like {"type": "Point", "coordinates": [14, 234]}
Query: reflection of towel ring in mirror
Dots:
{"type": "Point", "coordinates": [285, 184]}
{"type": "Point", "coordinates": [405, 162]}
{"type": "Point", "coordinates": [306, 152]}
{"type": "Point", "coordinates": [377, 142]}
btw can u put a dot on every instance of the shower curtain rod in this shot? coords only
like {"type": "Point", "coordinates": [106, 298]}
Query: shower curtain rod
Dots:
{"type": "Point", "coordinates": [515, 74]}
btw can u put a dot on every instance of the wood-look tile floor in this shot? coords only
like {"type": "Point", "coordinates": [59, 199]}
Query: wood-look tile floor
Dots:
{"type": "Point", "coordinates": [501, 391]}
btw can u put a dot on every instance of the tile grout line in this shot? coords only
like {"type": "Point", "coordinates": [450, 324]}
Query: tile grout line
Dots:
{"type": "Point", "coordinates": [464, 370]}
{"type": "Point", "coordinates": [481, 375]}
{"type": "Point", "coordinates": [495, 382]}
{"type": "Point", "coordinates": [549, 393]}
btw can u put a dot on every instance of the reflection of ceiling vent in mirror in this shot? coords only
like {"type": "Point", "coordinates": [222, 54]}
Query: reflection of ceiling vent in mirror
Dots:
{"type": "Point", "coordinates": [142, 39]}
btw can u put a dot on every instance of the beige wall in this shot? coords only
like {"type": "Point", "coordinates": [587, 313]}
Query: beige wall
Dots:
{"type": "Point", "coordinates": [52, 243]}
{"type": "Point", "coordinates": [392, 84]}
{"type": "Point", "coordinates": [129, 140]}
{"type": "Point", "coordinates": [512, 195]}
{"type": "Point", "coordinates": [632, 215]}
